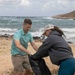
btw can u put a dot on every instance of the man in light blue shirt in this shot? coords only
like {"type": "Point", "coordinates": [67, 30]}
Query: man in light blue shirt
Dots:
{"type": "Point", "coordinates": [19, 50]}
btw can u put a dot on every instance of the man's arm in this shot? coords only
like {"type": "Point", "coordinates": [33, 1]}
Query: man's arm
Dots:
{"type": "Point", "coordinates": [32, 43]}
{"type": "Point", "coordinates": [19, 46]}
{"type": "Point", "coordinates": [34, 46]}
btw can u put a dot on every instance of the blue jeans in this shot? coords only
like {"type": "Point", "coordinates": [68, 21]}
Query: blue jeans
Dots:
{"type": "Point", "coordinates": [67, 67]}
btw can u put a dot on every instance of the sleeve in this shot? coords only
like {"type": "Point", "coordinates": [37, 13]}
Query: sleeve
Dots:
{"type": "Point", "coordinates": [43, 50]}
{"type": "Point", "coordinates": [31, 38]}
{"type": "Point", "coordinates": [16, 36]}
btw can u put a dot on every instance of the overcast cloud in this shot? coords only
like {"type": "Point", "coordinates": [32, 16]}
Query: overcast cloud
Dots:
{"type": "Point", "coordinates": [35, 7]}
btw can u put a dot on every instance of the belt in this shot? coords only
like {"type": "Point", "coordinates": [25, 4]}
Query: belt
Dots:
{"type": "Point", "coordinates": [19, 55]}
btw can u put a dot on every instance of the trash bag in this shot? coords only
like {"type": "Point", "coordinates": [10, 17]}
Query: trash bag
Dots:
{"type": "Point", "coordinates": [39, 67]}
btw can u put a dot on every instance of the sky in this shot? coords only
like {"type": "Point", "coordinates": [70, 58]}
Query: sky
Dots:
{"type": "Point", "coordinates": [35, 7]}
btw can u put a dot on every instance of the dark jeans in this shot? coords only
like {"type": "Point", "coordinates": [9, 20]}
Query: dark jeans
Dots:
{"type": "Point", "coordinates": [67, 67]}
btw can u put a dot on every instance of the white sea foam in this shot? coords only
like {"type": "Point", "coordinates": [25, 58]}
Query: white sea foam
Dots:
{"type": "Point", "coordinates": [7, 31]}
{"type": "Point", "coordinates": [68, 29]}
{"type": "Point", "coordinates": [69, 32]}
{"type": "Point", "coordinates": [47, 18]}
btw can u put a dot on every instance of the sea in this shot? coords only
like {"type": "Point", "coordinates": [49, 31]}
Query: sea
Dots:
{"type": "Point", "coordinates": [10, 24]}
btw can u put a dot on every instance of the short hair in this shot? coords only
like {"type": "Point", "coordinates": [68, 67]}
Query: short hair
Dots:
{"type": "Point", "coordinates": [27, 21]}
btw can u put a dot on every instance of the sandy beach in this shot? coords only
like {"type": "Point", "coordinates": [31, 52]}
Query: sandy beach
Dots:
{"type": "Point", "coordinates": [6, 66]}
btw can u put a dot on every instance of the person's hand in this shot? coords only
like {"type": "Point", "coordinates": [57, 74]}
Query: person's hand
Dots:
{"type": "Point", "coordinates": [29, 53]}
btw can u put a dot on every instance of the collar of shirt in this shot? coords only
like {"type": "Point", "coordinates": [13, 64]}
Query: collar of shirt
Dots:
{"type": "Point", "coordinates": [25, 33]}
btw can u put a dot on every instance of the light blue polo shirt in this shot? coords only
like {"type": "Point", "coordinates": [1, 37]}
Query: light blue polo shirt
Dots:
{"type": "Point", "coordinates": [24, 39]}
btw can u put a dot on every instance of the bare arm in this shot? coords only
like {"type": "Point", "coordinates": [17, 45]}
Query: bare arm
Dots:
{"type": "Point", "coordinates": [34, 46]}
{"type": "Point", "coordinates": [19, 46]}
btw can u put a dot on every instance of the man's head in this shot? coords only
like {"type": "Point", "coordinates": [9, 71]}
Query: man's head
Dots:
{"type": "Point", "coordinates": [27, 25]}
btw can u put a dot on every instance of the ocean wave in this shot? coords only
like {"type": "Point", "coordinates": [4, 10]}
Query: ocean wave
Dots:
{"type": "Point", "coordinates": [36, 20]}
{"type": "Point", "coordinates": [69, 32]}
{"type": "Point", "coordinates": [7, 29]}
{"type": "Point", "coordinates": [68, 29]}
{"type": "Point", "coordinates": [36, 34]}
{"type": "Point", "coordinates": [47, 18]}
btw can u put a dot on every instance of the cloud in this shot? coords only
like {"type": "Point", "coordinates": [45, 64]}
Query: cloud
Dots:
{"type": "Point", "coordinates": [58, 4]}
{"type": "Point", "coordinates": [14, 3]}
{"type": "Point", "coordinates": [40, 4]}
{"type": "Point", "coordinates": [25, 3]}
{"type": "Point", "coordinates": [37, 7]}
{"type": "Point", "coordinates": [9, 3]}
{"type": "Point", "coordinates": [0, 1]}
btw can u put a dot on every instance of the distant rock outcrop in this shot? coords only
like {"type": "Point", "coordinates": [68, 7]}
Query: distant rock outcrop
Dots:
{"type": "Point", "coordinates": [70, 15]}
